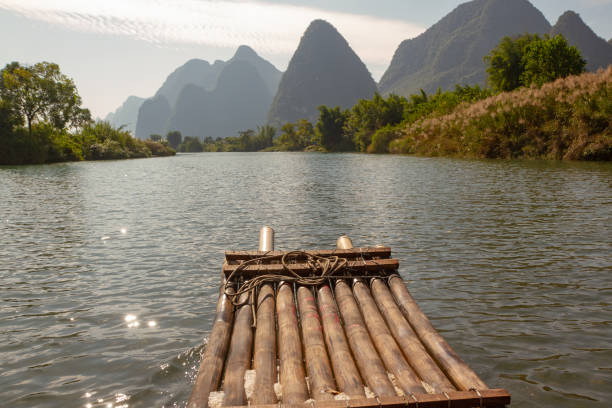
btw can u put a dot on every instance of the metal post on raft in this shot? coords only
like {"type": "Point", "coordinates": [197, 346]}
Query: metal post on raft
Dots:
{"type": "Point", "coordinates": [344, 242]}
{"type": "Point", "coordinates": [266, 239]}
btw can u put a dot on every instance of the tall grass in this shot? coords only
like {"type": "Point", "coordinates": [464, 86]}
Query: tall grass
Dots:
{"type": "Point", "coordinates": [566, 119]}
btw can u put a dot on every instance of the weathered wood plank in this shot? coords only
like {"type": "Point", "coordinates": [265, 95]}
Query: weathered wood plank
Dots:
{"type": "Point", "coordinates": [367, 253]}
{"type": "Point", "coordinates": [305, 270]}
{"type": "Point", "coordinates": [459, 399]}
{"type": "Point", "coordinates": [211, 367]}
{"type": "Point", "coordinates": [455, 368]}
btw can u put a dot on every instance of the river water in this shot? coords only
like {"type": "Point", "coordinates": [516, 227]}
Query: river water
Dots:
{"type": "Point", "coordinates": [109, 271]}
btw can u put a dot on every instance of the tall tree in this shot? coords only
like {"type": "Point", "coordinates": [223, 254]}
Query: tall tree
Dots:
{"type": "Point", "coordinates": [529, 59]}
{"type": "Point", "coordinates": [329, 129]}
{"type": "Point", "coordinates": [506, 62]}
{"type": "Point", "coordinates": [552, 58]}
{"type": "Point", "coordinates": [42, 93]}
{"type": "Point", "coordinates": [174, 139]}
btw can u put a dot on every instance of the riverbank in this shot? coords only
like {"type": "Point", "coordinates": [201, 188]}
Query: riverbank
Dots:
{"type": "Point", "coordinates": [98, 141]}
{"type": "Point", "coordinates": [568, 119]}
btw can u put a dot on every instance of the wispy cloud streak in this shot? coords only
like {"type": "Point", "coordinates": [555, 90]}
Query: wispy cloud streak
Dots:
{"type": "Point", "coordinates": [269, 28]}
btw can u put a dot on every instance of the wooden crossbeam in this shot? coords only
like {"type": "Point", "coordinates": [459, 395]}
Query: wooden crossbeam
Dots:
{"type": "Point", "coordinates": [458, 399]}
{"type": "Point", "coordinates": [367, 253]}
{"type": "Point", "coordinates": [304, 269]}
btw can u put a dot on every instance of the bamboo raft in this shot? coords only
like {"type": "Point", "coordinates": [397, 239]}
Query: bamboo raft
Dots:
{"type": "Point", "coordinates": [327, 329]}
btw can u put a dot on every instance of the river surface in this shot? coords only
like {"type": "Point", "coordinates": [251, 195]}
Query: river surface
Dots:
{"type": "Point", "coordinates": [109, 271]}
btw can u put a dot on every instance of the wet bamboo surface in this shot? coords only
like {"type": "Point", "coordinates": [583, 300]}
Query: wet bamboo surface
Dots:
{"type": "Point", "coordinates": [292, 374]}
{"type": "Point", "coordinates": [388, 349]}
{"type": "Point", "coordinates": [239, 357]}
{"type": "Point", "coordinates": [264, 361]}
{"type": "Point", "coordinates": [345, 335]}
{"type": "Point", "coordinates": [211, 367]}
{"type": "Point", "coordinates": [320, 375]}
{"type": "Point", "coordinates": [456, 369]}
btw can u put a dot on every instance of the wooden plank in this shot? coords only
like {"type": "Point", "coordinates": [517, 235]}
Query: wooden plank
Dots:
{"type": "Point", "coordinates": [458, 399]}
{"type": "Point", "coordinates": [292, 374]}
{"type": "Point", "coordinates": [264, 361]}
{"type": "Point", "coordinates": [239, 357]}
{"type": "Point", "coordinates": [304, 269]}
{"type": "Point", "coordinates": [320, 375]}
{"type": "Point", "coordinates": [345, 370]}
{"type": "Point", "coordinates": [367, 253]}
{"type": "Point", "coordinates": [370, 365]}
{"type": "Point", "coordinates": [211, 367]}
{"type": "Point", "coordinates": [455, 368]}
{"type": "Point", "coordinates": [413, 349]}
{"type": "Point", "coordinates": [386, 345]}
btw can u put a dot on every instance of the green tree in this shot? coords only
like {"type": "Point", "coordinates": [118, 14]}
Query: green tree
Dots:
{"type": "Point", "coordinates": [155, 138]}
{"type": "Point", "coordinates": [265, 137]}
{"type": "Point", "coordinates": [530, 59]}
{"type": "Point", "coordinates": [174, 139]}
{"type": "Point", "coordinates": [549, 59]}
{"type": "Point", "coordinates": [329, 130]}
{"type": "Point", "coordinates": [367, 116]}
{"type": "Point", "coordinates": [506, 62]}
{"type": "Point", "coordinates": [191, 145]}
{"type": "Point", "coordinates": [42, 93]}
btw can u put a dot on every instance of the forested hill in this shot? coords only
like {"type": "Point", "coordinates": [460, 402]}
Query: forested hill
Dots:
{"type": "Point", "coordinates": [452, 50]}
{"type": "Point", "coordinates": [324, 70]}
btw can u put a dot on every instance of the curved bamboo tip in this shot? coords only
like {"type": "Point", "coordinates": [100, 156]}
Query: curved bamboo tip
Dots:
{"type": "Point", "coordinates": [344, 242]}
{"type": "Point", "coordinates": [266, 239]}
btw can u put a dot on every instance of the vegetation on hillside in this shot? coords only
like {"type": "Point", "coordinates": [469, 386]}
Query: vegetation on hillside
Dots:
{"type": "Point", "coordinates": [41, 121]}
{"type": "Point", "coordinates": [569, 118]}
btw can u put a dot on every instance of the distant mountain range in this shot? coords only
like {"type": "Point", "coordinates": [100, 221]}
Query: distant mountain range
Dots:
{"type": "Point", "coordinates": [202, 99]}
{"type": "Point", "coordinates": [452, 50]}
{"type": "Point", "coordinates": [324, 70]}
{"type": "Point", "coordinates": [197, 99]}
{"type": "Point", "coordinates": [127, 114]}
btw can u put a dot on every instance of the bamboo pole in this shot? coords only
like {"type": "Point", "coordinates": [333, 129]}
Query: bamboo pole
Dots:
{"type": "Point", "coordinates": [292, 374]}
{"type": "Point", "coordinates": [239, 357]}
{"type": "Point", "coordinates": [388, 349]}
{"type": "Point", "coordinates": [345, 371]}
{"type": "Point", "coordinates": [455, 368]}
{"type": "Point", "coordinates": [319, 370]}
{"type": "Point", "coordinates": [368, 361]}
{"type": "Point", "coordinates": [413, 349]}
{"type": "Point", "coordinates": [211, 367]}
{"type": "Point", "coordinates": [264, 361]}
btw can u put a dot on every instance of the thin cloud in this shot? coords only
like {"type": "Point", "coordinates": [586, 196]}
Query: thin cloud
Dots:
{"type": "Point", "coordinates": [272, 29]}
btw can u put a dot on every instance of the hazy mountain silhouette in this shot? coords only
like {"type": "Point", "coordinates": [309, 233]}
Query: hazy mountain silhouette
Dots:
{"type": "Point", "coordinates": [127, 114]}
{"type": "Point", "coordinates": [452, 50]}
{"type": "Point", "coordinates": [152, 116]}
{"type": "Point", "coordinates": [240, 101]}
{"type": "Point", "coordinates": [195, 71]}
{"type": "Point", "coordinates": [195, 77]}
{"type": "Point", "coordinates": [266, 70]}
{"type": "Point", "coordinates": [324, 70]}
{"type": "Point", "coordinates": [595, 50]}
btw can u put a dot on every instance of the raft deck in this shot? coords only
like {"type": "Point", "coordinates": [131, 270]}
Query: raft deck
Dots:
{"type": "Point", "coordinates": [326, 329]}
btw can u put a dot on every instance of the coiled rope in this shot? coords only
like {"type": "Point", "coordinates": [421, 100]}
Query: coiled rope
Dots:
{"type": "Point", "coordinates": [321, 267]}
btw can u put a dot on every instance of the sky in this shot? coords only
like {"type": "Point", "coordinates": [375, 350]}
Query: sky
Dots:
{"type": "Point", "coordinates": [116, 48]}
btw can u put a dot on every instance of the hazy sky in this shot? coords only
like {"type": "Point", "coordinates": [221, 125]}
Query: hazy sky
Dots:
{"type": "Point", "coordinates": [117, 48]}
